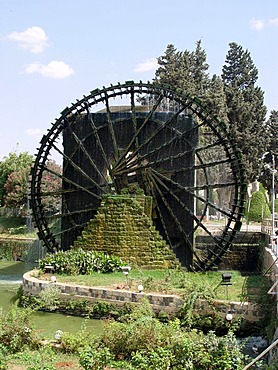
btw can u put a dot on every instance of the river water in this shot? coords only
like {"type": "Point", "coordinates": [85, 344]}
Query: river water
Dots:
{"type": "Point", "coordinates": [46, 323]}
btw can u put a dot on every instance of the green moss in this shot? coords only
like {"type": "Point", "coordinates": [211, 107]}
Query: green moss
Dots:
{"type": "Point", "coordinates": [127, 231]}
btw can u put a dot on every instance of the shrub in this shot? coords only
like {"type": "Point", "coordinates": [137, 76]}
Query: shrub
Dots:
{"type": "Point", "coordinates": [195, 292]}
{"type": "Point", "coordinates": [139, 332]}
{"type": "Point", "coordinates": [149, 344]}
{"type": "Point", "coordinates": [50, 297]}
{"type": "Point", "coordinates": [95, 358]}
{"type": "Point", "coordinates": [159, 359]}
{"type": "Point", "coordinates": [80, 262]}
{"type": "Point", "coordinates": [16, 330]}
{"type": "Point", "coordinates": [77, 342]}
{"type": "Point", "coordinates": [258, 207]}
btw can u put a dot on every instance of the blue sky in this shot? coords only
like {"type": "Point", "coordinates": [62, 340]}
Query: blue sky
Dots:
{"type": "Point", "coordinates": [55, 51]}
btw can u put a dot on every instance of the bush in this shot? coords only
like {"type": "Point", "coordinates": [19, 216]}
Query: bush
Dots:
{"type": "Point", "coordinates": [16, 331]}
{"type": "Point", "coordinates": [95, 358]}
{"type": "Point", "coordinates": [77, 342]}
{"type": "Point", "coordinates": [50, 297]}
{"type": "Point", "coordinates": [259, 208]}
{"type": "Point", "coordinates": [146, 343]}
{"type": "Point", "coordinates": [80, 262]}
{"type": "Point", "coordinates": [160, 358]}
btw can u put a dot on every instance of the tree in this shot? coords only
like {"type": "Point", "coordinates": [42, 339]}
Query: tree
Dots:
{"type": "Point", "coordinates": [16, 188]}
{"type": "Point", "coordinates": [215, 98]}
{"type": "Point", "coordinates": [20, 165]}
{"type": "Point", "coordinates": [270, 158]}
{"type": "Point", "coordinates": [184, 69]}
{"type": "Point", "coordinates": [272, 130]}
{"type": "Point", "coordinates": [246, 109]}
{"type": "Point", "coordinates": [199, 70]}
{"type": "Point", "coordinates": [189, 71]}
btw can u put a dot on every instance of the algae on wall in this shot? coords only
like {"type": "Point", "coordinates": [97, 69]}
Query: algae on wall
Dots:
{"type": "Point", "coordinates": [27, 250]}
{"type": "Point", "coordinates": [121, 227]}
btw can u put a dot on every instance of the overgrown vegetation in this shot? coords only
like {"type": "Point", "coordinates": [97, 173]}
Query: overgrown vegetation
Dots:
{"type": "Point", "coordinates": [138, 341]}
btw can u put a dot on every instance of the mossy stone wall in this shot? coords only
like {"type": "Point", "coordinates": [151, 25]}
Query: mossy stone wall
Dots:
{"type": "Point", "coordinates": [121, 227]}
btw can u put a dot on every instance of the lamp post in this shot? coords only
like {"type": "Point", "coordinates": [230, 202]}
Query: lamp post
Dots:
{"type": "Point", "coordinates": [273, 237]}
{"type": "Point", "coordinates": [271, 168]}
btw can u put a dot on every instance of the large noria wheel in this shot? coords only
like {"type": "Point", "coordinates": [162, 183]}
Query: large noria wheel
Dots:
{"type": "Point", "coordinates": [152, 136]}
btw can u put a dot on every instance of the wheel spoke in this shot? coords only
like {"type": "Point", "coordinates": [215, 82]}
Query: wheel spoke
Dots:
{"type": "Point", "coordinates": [111, 128]}
{"type": "Point", "coordinates": [136, 134]}
{"type": "Point", "coordinates": [87, 155]}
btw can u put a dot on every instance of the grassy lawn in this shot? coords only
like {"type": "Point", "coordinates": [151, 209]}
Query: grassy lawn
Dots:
{"type": "Point", "coordinates": [174, 282]}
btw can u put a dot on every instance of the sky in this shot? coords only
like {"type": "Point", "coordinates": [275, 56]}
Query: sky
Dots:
{"type": "Point", "coordinates": [55, 51]}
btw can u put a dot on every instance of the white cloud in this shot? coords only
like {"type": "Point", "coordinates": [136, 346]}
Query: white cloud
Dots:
{"type": "Point", "coordinates": [147, 65]}
{"type": "Point", "coordinates": [54, 69]}
{"type": "Point", "coordinates": [33, 39]}
{"type": "Point", "coordinates": [257, 24]}
{"type": "Point", "coordinates": [273, 21]}
{"type": "Point", "coordinates": [35, 132]}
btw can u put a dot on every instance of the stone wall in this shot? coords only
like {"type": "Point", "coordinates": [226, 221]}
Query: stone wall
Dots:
{"type": "Point", "coordinates": [244, 254]}
{"type": "Point", "coordinates": [168, 303]}
{"type": "Point", "coordinates": [122, 227]}
{"type": "Point", "coordinates": [23, 249]}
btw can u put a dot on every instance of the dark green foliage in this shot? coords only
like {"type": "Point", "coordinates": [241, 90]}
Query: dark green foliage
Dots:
{"type": "Point", "coordinates": [268, 308]}
{"type": "Point", "coordinates": [215, 99]}
{"type": "Point", "coordinates": [80, 262]}
{"type": "Point", "coordinates": [246, 109]}
{"type": "Point", "coordinates": [185, 70]}
{"type": "Point", "coordinates": [272, 125]}
{"type": "Point", "coordinates": [234, 98]}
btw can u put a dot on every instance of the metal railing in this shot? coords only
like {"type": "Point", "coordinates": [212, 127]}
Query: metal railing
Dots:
{"type": "Point", "coordinates": [270, 227]}
{"type": "Point", "coordinates": [266, 226]}
{"type": "Point", "coordinates": [261, 355]}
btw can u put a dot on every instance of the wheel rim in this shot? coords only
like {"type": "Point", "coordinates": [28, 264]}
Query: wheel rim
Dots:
{"type": "Point", "coordinates": [173, 149]}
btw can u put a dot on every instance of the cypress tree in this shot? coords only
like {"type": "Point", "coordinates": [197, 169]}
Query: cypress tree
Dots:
{"type": "Point", "coordinates": [246, 109]}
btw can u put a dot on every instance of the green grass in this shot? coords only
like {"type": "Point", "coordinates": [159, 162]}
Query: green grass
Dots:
{"type": "Point", "coordinates": [243, 288]}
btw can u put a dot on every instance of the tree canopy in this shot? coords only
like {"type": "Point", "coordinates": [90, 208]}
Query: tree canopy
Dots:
{"type": "Point", "coordinates": [14, 174]}
{"type": "Point", "coordinates": [234, 96]}
{"type": "Point", "coordinates": [14, 170]}
{"type": "Point", "coordinates": [245, 105]}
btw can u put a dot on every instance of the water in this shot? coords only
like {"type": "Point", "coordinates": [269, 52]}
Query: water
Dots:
{"type": "Point", "coordinates": [46, 323]}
